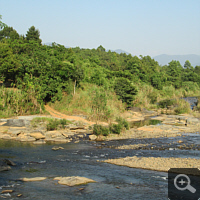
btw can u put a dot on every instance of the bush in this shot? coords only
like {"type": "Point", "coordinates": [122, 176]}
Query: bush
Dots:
{"type": "Point", "coordinates": [166, 103]}
{"type": "Point", "coordinates": [183, 107]}
{"type": "Point", "coordinates": [153, 97]}
{"type": "Point", "coordinates": [113, 128]}
{"type": "Point", "coordinates": [100, 130]}
{"type": "Point", "coordinates": [116, 128]}
{"type": "Point", "coordinates": [56, 124]}
{"type": "Point", "coordinates": [122, 122]}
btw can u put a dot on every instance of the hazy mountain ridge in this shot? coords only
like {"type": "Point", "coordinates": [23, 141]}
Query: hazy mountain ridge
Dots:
{"type": "Point", "coordinates": [164, 59]}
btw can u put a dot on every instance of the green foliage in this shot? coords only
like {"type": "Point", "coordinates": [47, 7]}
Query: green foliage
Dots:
{"type": "Point", "coordinates": [33, 34]}
{"type": "Point", "coordinates": [153, 96]}
{"type": "Point", "coordinates": [44, 73]}
{"type": "Point", "coordinates": [124, 123]}
{"type": "Point", "coordinates": [100, 130]}
{"type": "Point", "coordinates": [166, 103]}
{"type": "Point", "coordinates": [125, 90]}
{"type": "Point", "coordinates": [55, 124]}
{"type": "Point", "coordinates": [99, 105]}
{"type": "Point", "coordinates": [18, 102]}
{"type": "Point", "coordinates": [9, 32]}
{"type": "Point", "coordinates": [113, 128]}
{"type": "Point", "coordinates": [2, 25]}
{"type": "Point", "coordinates": [116, 128]}
{"type": "Point", "coordinates": [183, 107]}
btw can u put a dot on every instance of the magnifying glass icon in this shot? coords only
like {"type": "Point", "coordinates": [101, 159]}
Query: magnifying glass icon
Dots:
{"type": "Point", "coordinates": [182, 182]}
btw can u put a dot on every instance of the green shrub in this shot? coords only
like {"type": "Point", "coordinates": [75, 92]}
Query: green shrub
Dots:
{"type": "Point", "coordinates": [116, 128]}
{"type": "Point", "coordinates": [56, 124]}
{"type": "Point", "coordinates": [153, 97]}
{"type": "Point", "coordinates": [183, 107]}
{"type": "Point", "coordinates": [122, 122]}
{"type": "Point", "coordinates": [100, 130]}
{"type": "Point", "coordinates": [167, 102]}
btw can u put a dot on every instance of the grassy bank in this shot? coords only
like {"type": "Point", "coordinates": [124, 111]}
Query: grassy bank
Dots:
{"type": "Point", "coordinates": [15, 102]}
{"type": "Point", "coordinates": [93, 101]}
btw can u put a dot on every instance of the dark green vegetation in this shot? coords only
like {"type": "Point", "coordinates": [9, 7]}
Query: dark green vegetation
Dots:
{"type": "Point", "coordinates": [121, 125]}
{"type": "Point", "coordinates": [94, 82]}
{"type": "Point", "coordinates": [50, 123]}
{"type": "Point", "coordinates": [56, 124]}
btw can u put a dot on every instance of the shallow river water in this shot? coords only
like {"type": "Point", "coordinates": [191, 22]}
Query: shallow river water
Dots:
{"type": "Point", "coordinates": [112, 182]}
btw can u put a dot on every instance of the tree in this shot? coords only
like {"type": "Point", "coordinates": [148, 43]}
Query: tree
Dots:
{"type": "Point", "coordinates": [125, 90]}
{"type": "Point", "coordinates": [9, 32]}
{"type": "Point", "coordinates": [33, 34]}
{"type": "Point", "coordinates": [101, 48]}
{"type": "Point", "coordinates": [2, 25]}
{"type": "Point", "coordinates": [187, 65]}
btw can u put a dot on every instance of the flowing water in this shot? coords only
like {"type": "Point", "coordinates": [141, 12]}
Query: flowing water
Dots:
{"type": "Point", "coordinates": [192, 100]}
{"type": "Point", "coordinates": [113, 182]}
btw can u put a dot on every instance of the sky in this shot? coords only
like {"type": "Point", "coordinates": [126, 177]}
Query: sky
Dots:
{"type": "Point", "coordinates": [140, 27]}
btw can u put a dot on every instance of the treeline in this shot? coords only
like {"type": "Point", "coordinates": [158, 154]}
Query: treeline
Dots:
{"type": "Point", "coordinates": [49, 71]}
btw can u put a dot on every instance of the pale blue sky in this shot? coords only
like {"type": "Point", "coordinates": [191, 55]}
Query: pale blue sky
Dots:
{"type": "Point", "coordinates": [141, 27]}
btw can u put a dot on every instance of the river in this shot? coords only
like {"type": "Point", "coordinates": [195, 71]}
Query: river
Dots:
{"type": "Point", "coordinates": [113, 182]}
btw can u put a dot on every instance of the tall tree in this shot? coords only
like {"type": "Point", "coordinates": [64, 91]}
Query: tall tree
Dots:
{"type": "Point", "coordinates": [33, 34]}
{"type": "Point", "coordinates": [9, 32]}
{"type": "Point", "coordinates": [2, 25]}
{"type": "Point", "coordinates": [187, 65]}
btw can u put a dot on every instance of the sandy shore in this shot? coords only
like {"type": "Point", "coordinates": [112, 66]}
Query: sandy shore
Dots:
{"type": "Point", "coordinates": [156, 163]}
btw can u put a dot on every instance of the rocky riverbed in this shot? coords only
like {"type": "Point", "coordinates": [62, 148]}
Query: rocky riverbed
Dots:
{"type": "Point", "coordinates": [21, 129]}
{"type": "Point", "coordinates": [42, 169]}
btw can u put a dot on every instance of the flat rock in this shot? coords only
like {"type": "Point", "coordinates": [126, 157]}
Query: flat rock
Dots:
{"type": "Point", "coordinates": [18, 122]}
{"type": "Point", "coordinates": [61, 140]}
{"type": "Point", "coordinates": [5, 136]}
{"type": "Point", "coordinates": [9, 162]}
{"type": "Point", "coordinates": [57, 148]}
{"type": "Point", "coordinates": [73, 180]}
{"type": "Point", "coordinates": [37, 135]}
{"type": "Point", "coordinates": [6, 191]}
{"type": "Point", "coordinates": [73, 127]}
{"type": "Point", "coordinates": [4, 166]}
{"type": "Point", "coordinates": [92, 137]}
{"type": "Point", "coordinates": [53, 134]}
{"type": "Point", "coordinates": [25, 138]}
{"type": "Point", "coordinates": [2, 123]}
{"type": "Point", "coordinates": [4, 128]}
{"type": "Point", "coordinates": [33, 179]}
{"type": "Point", "coordinates": [14, 133]}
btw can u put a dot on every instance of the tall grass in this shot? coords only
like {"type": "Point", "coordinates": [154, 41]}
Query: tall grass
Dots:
{"type": "Point", "coordinates": [148, 96]}
{"type": "Point", "coordinates": [86, 102]}
{"type": "Point", "coordinates": [16, 102]}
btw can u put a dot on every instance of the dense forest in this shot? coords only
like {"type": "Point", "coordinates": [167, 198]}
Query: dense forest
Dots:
{"type": "Point", "coordinates": [33, 74]}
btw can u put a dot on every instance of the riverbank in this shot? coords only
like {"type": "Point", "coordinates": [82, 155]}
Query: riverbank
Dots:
{"type": "Point", "coordinates": [21, 128]}
{"type": "Point", "coordinates": [170, 126]}
{"type": "Point", "coordinates": [156, 164]}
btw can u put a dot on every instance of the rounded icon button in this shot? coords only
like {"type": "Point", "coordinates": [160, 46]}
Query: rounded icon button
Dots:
{"type": "Point", "coordinates": [188, 186]}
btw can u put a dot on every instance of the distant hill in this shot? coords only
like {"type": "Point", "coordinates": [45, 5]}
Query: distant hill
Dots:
{"type": "Point", "coordinates": [121, 51]}
{"type": "Point", "coordinates": [164, 59]}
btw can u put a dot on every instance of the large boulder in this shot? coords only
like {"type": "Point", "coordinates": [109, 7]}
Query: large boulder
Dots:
{"type": "Point", "coordinates": [73, 180]}
{"type": "Point", "coordinates": [18, 122]}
